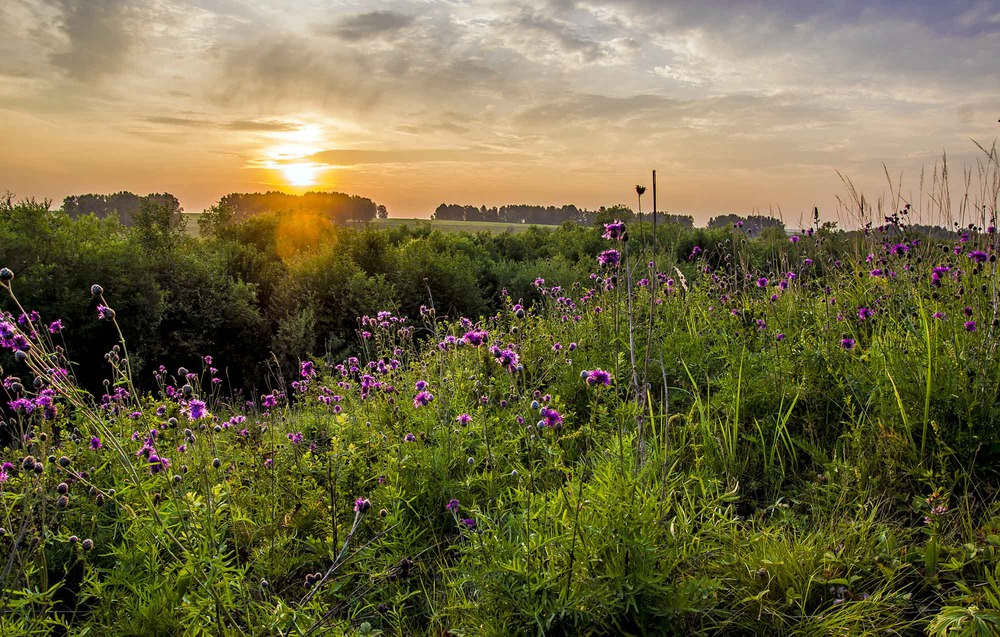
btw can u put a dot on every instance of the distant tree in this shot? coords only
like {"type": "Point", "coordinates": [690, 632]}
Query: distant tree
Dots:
{"type": "Point", "coordinates": [122, 205]}
{"type": "Point", "coordinates": [381, 212]}
{"type": "Point", "coordinates": [214, 221]}
{"type": "Point", "coordinates": [159, 222]}
{"type": "Point", "coordinates": [753, 224]}
{"type": "Point", "coordinates": [334, 206]}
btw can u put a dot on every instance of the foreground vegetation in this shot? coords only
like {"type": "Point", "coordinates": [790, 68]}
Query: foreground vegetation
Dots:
{"type": "Point", "coordinates": [788, 435]}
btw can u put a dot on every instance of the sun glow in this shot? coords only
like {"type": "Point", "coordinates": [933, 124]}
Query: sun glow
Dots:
{"type": "Point", "coordinates": [301, 174]}
{"type": "Point", "coordinates": [289, 156]}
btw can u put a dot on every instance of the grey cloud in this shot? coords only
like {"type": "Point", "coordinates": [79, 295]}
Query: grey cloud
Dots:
{"type": "Point", "coordinates": [563, 34]}
{"type": "Point", "coordinates": [287, 69]}
{"type": "Point", "coordinates": [250, 125]}
{"type": "Point", "coordinates": [365, 26]}
{"type": "Point", "coordinates": [100, 36]}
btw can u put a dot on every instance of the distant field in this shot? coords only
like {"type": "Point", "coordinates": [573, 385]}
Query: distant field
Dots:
{"type": "Point", "coordinates": [452, 226]}
{"type": "Point", "coordinates": [459, 226]}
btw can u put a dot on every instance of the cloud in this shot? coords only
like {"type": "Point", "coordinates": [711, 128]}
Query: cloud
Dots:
{"type": "Point", "coordinates": [264, 126]}
{"type": "Point", "coordinates": [178, 121]}
{"type": "Point", "coordinates": [348, 157]}
{"type": "Point", "coordinates": [366, 26]}
{"type": "Point", "coordinates": [99, 36]}
{"type": "Point", "coordinates": [243, 125]}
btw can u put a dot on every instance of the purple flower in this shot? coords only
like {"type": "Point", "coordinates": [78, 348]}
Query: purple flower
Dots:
{"type": "Point", "coordinates": [423, 399]}
{"type": "Point", "coordinates": [464, 419]}
{"type": "Point", "coordinates": [551, 417]}
{"type": "Point", "coordinates": [55, 326]}
{"type": "Point", "coordinates": [614, 230]}
{"type": "Point", "coordinates": [865, 313]}
{"type": "Point", "coordinates": [296, 437]}
{"type": "Point", "coordinates": [762, 282]}
{"type": "Point", "coordinates": [95, 443]}
{"type": "Point", "coordinates": [506, 357]}
{"type": "Point", "coordinates": [469, 523]}
{"type": "Point", "coordinates": [452, 505]}
{"type": "Point", "coordinates": [409, 437]}
{"type": "Point", "coordinates": [157, 464]}
{"type": "Point", "coordinates": [307, 369]}
{"type": "Point", "coordinates": [847, 343]}
{"type": "Point", "coordinates": [970, 326]}
{"type": "Point", "coordinates": [609, 257]}
{"type": "Point", "coordinates": [361, 505]}
{"type": "Point", "coordinates": [476, 337]}
{"type": "Point", "coordinates": [794, 238]}
{"type": "Point", "coordinates": [196, 409]}
{"type": "Point", "coordinates": [598, 377]}
{"type": "Point", "coordinates": [421, 385]}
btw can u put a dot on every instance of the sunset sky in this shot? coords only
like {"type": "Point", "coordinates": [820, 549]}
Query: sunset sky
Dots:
{"type": "Point", "coordinates": [738, 105]}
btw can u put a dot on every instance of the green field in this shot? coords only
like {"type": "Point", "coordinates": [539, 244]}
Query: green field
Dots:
{"type": "Point", "coordinates": [395, 222]}
{"type": "Point", "coordinates": [571, 434]}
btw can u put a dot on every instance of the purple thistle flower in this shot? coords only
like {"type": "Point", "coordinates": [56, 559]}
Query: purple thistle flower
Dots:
{"type": "Point", "coordinates": [409, 437]}
{"type": "Point", "coordinates": [847, 343]}
{"type": "Point", "coordinates": [361, 505]}
{"type": "Point", "coordinates": [307, 369]}
{"type": "Point", "coordinates": [157, 464]}
{"type": "Point", "coordinates": [196, 409]}
{"type": "Point", "coordinates": [476, 337]}
{"type": "Point", "coordinates": [423, 399]}
{"type": "Point", "coordinates": [614, 230]}
{"type": "Point", "coordinates": [55, 326]}
{"type": "Point", "coordinates": [762, 282]}
{"type": "Point", "coordinates": [609, 258]}
{"type": "Point", "coordinates": [95, 443]}
{"type": "Point", "coordinates": [970, 326]}
{"type": "Point", "coordinates": [469, 523]}
{"type": "Point", "coordinates": [452, 505]}
{"type": "Point", "coordinates": [464, 419]}
{"type": "Point", "coordinates": [551, 417]}
{"type": "Point", "coordinates": [865, 313]}
{"type": "Point", "coordinates": [598, 377]}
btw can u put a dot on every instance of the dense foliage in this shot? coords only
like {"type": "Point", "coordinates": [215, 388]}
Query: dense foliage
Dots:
{"type": "Point", "coordinates": [701, 434]}
{"type": "Point", "coordinates": [123, 206]}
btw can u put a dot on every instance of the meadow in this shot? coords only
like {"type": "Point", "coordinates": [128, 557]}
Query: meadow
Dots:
{"type": "Point", "coordinates": [700, 433]}
{"type": "Point", "coordinates": [445, 225]}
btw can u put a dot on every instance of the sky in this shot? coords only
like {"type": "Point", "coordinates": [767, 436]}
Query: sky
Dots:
{"type": "Point", "coordinates": [740, 105]}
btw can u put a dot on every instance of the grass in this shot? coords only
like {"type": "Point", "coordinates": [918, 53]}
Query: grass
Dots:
{"type": "Point", "coordinates": [790, 464]}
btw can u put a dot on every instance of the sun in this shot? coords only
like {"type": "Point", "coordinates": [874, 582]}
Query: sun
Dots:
{"type": "Point", "coordinates": [289, 156]}
{"type": "Point", "coordinates": [300, 173]}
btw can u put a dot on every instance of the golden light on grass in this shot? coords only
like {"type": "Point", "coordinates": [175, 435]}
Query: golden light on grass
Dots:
{"type": "Point", "coordinates": [300, 231]}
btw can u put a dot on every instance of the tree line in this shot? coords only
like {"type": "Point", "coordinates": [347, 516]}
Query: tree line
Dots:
{"type": "Point", "coordinates": [544, 215]}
